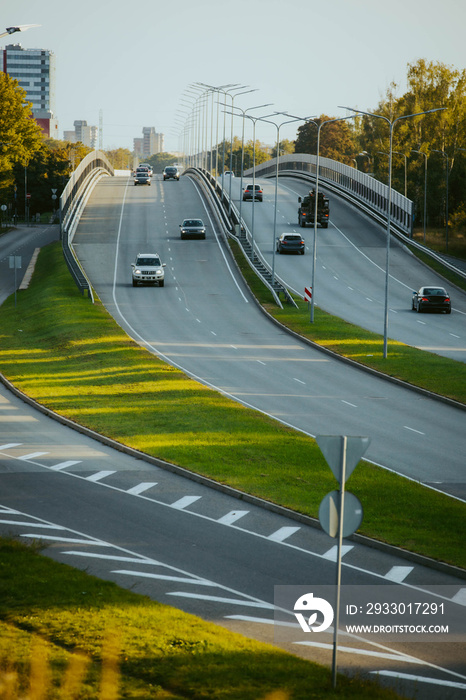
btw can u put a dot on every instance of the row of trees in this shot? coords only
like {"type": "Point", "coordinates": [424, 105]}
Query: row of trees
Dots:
{"type": "Point", "coordinates": [31, 164]}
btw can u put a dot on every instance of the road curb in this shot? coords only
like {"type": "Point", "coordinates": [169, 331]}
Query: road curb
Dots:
{"type": "Point", "coordinates": [229, 490]}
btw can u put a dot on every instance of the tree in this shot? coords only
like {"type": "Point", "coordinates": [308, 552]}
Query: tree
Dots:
{"type": "Point", "coordinates": [286, 146]}
{"type": "Point", "coordinates": [120, 158]}
{"type": "Point", "coordinates": [337, 140]}
{"type": "Point", "coordinates": [20, 135]}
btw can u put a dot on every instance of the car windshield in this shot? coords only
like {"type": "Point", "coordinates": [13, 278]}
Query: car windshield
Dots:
{"type": "Point", "coordinates": [193, 222]}
{"type": "Point", "coordinates": [434, 292]}
{"type": "Point", "coordinates": [154, 262]}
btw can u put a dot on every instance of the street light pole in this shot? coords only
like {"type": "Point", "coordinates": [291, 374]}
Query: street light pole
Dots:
{"type": "Point", "coordinates": [314, 253]}
{"type": "Point", "coordinates": [425, 190]}
{"type": "Point", "coordinates": [278, 127]}
{"type": "Point", "coordinates": [391, 124]}
{"type": "Point", "coordinates": [446, 202]}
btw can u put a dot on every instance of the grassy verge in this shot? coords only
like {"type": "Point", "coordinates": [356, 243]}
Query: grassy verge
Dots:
{"type": "Point", "coordinates": [65, 634]}
{"type": "Point", "coordinates": [441, 375]}
{"type": "Point", "coordinates": [72, 357]}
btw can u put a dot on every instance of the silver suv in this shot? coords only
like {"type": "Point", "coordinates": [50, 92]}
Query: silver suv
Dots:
{"type": "Point", "coordinates": [148, 269]}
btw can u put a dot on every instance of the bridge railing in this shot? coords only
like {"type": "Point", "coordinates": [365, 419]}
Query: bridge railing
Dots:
{"type": "Point", "coordinates": [72, 201]}
{"type": "Point", "coordinates": [347, 180]}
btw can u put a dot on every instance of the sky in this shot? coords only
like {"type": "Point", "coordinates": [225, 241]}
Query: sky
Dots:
{"type": "Point", "coordinates": [133, 62]}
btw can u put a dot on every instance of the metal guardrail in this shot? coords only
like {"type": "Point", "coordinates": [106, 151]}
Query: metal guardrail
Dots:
{"type": "Point", "coordinates": [238, 230]}
{"type": "Point", "coordinates": [72, 201]}
{"type": "Point", "coordinates": [360, 187]}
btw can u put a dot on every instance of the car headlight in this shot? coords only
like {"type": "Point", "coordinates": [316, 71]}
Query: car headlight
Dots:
{"type": "Point", "coordinates": [137, 272]}
{"type": "Point", "coordinates": [159, 271]}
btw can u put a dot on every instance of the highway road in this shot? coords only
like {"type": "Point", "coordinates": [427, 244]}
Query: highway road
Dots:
{"type": "Point", "coordinates": [205, 322]}
{"type": "Point", "coordinates": [179, 541]}
{"type": "Point", "coordinates": [206, 552]}
{"type": "Point", "coordinates": [350, 269]}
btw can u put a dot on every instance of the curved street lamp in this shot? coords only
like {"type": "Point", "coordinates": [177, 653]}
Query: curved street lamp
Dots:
{"type": "Point", "coordinates": [391, 124]}
{"type": "Point", "coordinates": [19, 28]}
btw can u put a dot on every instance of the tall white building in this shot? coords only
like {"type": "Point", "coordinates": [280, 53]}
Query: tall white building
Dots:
{"type": "Point", "coordinates": [152, 142]}
{"type": "Point", "coordinates": [34, 69]}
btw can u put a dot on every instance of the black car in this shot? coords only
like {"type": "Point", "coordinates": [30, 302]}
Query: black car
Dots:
{"type": "Point", "coordinates": [192, 228]}
{"type": "Point", "coordinates": [431, 299]}
{"type": "Point", "coordinates": [142, 178]}
{"type": "Point", "coordinates": [171, 171]}
{"type": "Point", "coordinates": [248, 193]}
{"type": "Point", "coordinates": [290, 243]}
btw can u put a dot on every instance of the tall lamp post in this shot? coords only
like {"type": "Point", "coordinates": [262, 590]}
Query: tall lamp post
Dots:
{"type": "Point", "coordinates": [278, 127]}
{"type": "Point", "coordinates": [314, 253]}
{"type": "Point", "coordinates": [245, 115]}
{"type": "Point", "coordinates": [446, 198]}
{"type": "Point", "coordinates": [425, 189]}
{"type": "Point", "coordinates": [391, 124]}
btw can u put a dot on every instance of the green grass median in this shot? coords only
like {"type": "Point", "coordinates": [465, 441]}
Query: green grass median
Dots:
{"type": "Point", "coordinates": [66, 635]}
{"type": "Point", "coordinates": [72, 357]}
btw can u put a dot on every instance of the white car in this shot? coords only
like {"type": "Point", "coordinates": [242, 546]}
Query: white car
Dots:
{"type": "Point", "coordinates": [148, 269]}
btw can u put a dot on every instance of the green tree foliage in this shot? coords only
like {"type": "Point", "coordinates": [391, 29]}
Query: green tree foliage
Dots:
{"type": "Point", "coordinates": [20, 136]}
{"type": "Point", "coordinates": [286, 146]}
{"type": "Point", "coordinates": [159, 161]}
{"type": "Point", "coordinates": [120, 158]}
{"type": "Point", "coordinates": [337, 140]}
{"type": "Point", "coordinates": [429, 86]}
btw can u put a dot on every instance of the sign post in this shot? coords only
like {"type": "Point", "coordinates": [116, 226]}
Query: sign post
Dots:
{"type": "Point", "coordinates": [15, 262]}
{"type": "Point", "coordinates": [340, 513]}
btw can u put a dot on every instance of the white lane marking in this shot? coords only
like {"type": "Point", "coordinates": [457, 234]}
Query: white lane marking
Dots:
{"type": "Point", "coordinates": [235, 592]}
{"type": "Point", "coordinates": [29, 524]}
{"type": "Point", "coordinates": [185, 502]}
{"type": "Point", "coordinates": [113, 557]}
{"type": "Point", "coordinates": [348, 403]}
{"type": "Point", "coordinates": [33, 455]}
{"type": "Point", "coordinates": [420, 679]}
{"type": "Point", "coordinates": [283, 533]}
{"type": "Point", "coordinates": [164, 577]}
{"type": "Point", "coordinates": [71, 540]}
{"type": "Point", "coordinates": [363, 652]}
{"type": "Point", "coordinates": [64, 465]}
{"type": "Point", "coordinates": [99, 475]}
{"type": "Point", "coordinates": [232, 517]}
{"type": "Point", "coordinates": [218, 599]}
{"type": "Point", "coordinates": [298, 380]}
{"type": "Point", "coordinates": [9, 445]}
{"type": "Point", "coordinates": [421, 322]}
{"type": "Point", "coordinates": [332, 553]}
{"type": "Point", "coordinates": [260, 362]}
{"type": "Point", "coordinates": [413, 430]}
{"type": "Point", "coordinates": [140, 488]}
{"type": "Point", "coordinates": [455, 336]}
{"type": "Point", "coordinates": [397, 574]}
{"type": "Point", "coordinates": [460, 597]}
{"type": "Point", "coordinates": [213, 332]}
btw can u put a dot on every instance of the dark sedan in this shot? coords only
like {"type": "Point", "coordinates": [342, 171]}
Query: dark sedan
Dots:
{"type": "Point", "coordinates": [431, 299]}
{"type": "Point", "coordinates": [290, 243]}
{"type": "Point", "coordinates": [192, 228]}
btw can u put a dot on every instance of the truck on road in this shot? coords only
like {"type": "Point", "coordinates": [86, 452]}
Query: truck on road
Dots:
{"type": "Point", "coordinates": [307, 208]}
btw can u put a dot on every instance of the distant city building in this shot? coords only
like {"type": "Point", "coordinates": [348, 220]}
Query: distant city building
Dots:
{"type": "Point", "coordinates": [34, 69]}
{"type": "Point", "coordinates": [87, 135]}
{"type": "Point", "coordinates": [152, 142]}
{"type": "Point", "coordinates": [137, 146]}
{"type": "Point", "coordinates": [69, 136]}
